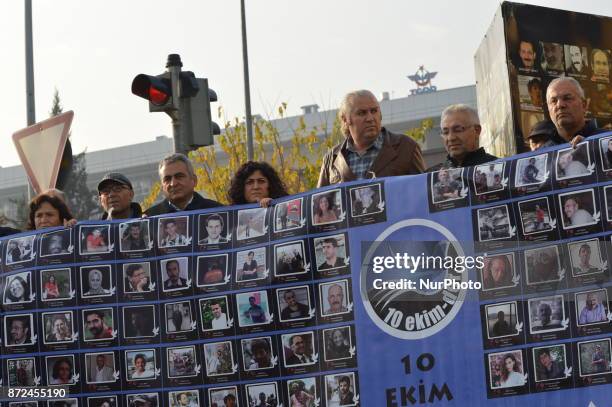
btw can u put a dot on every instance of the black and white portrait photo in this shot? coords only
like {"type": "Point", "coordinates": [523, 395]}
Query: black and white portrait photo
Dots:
{"type": "Point", "coordinates": [56, 243]}
{"type": "Point", "coordinates": [337, 343]}
{"type": "Point", "coordinates": [18, 288]}
{"type": "Point", "coordinates": [531, 170]}
{"type": "Point", "coordinates": [543, 265]}
{"type": "Point", "coordinates": [96, 281]}
{"type": "Point", "coordinates": [546, 314]}
{"type": "Point", "coordinates": [494, 223]}
{"type": "Point", "coordinates": [213, 229]}
{"type": "Point", "coordinates": [447, 185]}
{"type": "Point", "coordinates": [20, 249]}
{"type": "Point", "coordinates": [173, 232]}
{"type": "Point", "coordinates": [365, 200]}
{"type": "Point", "coordinates": [179, 317]}
{"type": "Point", "coordinates": [289, 258]}
{"type": "Point", "coordinates": [135, 236]}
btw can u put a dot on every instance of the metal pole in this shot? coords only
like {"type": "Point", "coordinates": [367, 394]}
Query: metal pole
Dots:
{"type": "Point", "coordinates": [174, 65]}
{"type": "Point", "coordinates": [31, 108]}
{"type": "Point", "coordinates": [247, 91]}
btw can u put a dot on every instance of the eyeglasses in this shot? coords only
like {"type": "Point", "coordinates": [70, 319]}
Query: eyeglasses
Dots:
{"type": "Point", "coordinates": [113, 188]}
{"type": "Point", "coordinates": [455, 129]}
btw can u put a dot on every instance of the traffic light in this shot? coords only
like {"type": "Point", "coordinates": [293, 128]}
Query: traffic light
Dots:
{"type": "Point", "coordinates": [196, 117]}
{"type": "Point", "coordinates": [185, 98]}
{"type": "Point", "coordinates": [157, 90]}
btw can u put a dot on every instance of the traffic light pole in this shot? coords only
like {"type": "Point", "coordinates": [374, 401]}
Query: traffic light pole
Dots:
{"type": "Point", "coordinates": [174, 65]}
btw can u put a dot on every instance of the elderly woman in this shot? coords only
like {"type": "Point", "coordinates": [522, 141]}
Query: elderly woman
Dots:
{"type": "Point", "coordinates": [49, 210]}
{"type": "Point", "coordinates": [256, 182]}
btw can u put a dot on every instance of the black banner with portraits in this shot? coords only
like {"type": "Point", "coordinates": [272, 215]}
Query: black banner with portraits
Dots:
{"type": "Point", "coordinates": [132, 313]}
{"type": "Point", "coordinates": [539, 44]}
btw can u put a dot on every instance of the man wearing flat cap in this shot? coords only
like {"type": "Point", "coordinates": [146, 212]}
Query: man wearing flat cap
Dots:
{"type": "Point", "coordinates": [116, 196]}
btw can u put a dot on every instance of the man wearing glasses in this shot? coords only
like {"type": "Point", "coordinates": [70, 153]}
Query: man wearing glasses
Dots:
{"type": "Point", "coordinates": [460, 130]}
{"type": "Point", "coordinates": [116, 195]}
{"type": "Point", "coordinates": [368, 150]}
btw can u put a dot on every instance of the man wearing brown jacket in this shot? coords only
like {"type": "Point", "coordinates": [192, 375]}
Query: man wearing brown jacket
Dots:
{"type": "Point", "coordinates": [369, 150]}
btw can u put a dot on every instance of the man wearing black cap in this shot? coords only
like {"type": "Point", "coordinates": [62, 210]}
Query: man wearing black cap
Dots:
{"type": "Point", "coordinates": [541, 134]}
{"type": "Point", "coordinates": [116, 196]}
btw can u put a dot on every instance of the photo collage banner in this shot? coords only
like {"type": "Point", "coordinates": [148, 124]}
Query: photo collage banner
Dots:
{"type": "Point", "coordinates": [248, 306]}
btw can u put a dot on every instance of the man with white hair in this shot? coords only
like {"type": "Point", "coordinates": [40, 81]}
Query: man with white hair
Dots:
{"type": "Point", "coordinates": [368, 150]}
{"type": "Point", "coordinates": [460, 130]}
{"type": "Point", "coordinates": [567, 108]}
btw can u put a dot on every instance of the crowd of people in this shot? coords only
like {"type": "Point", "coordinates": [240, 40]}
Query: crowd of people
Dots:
{"type": "Point", "coordinates": [367, 151]}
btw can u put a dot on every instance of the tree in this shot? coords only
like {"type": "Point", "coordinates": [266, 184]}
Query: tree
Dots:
{"type": "Point", "coordinates": [81, 200]}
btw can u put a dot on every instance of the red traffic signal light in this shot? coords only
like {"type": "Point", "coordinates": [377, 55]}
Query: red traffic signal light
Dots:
{"type": "Point", "coordinates": [155, 89]}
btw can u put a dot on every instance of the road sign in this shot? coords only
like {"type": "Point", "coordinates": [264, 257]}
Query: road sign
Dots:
{"type": "Point", "coordinates": [41, 147]}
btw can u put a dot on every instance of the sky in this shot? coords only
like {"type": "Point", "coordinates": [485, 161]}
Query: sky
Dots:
{"type": "Point", "coordinates": [300, 52]}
